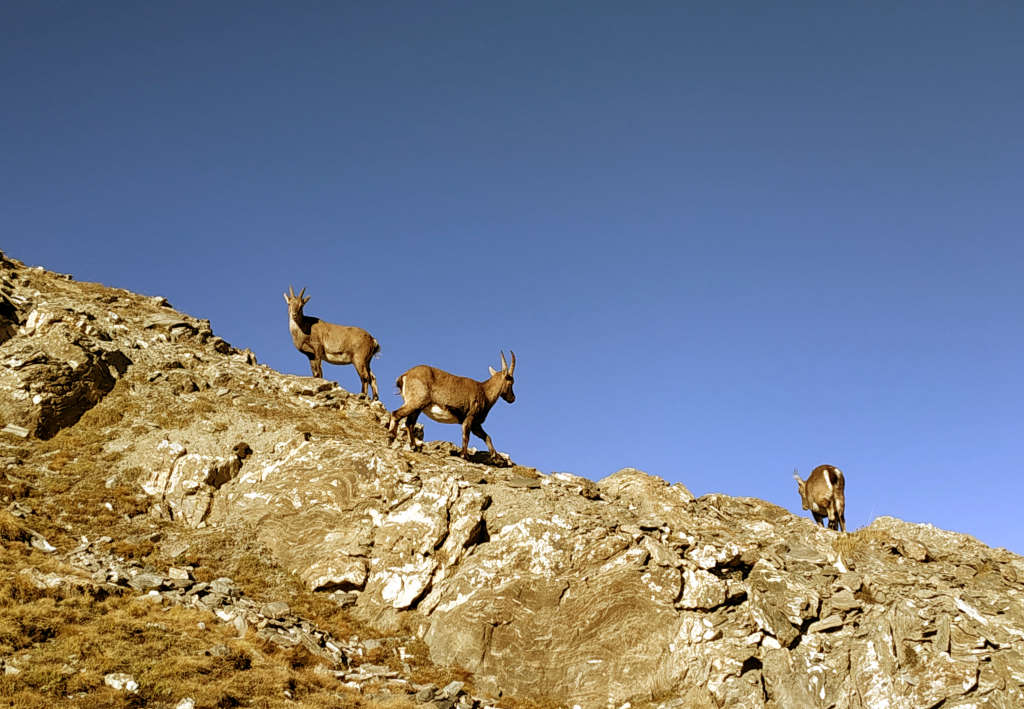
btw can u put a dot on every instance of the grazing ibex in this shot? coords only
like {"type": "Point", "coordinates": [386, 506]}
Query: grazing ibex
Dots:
{"type": "Point", "coordinates": [824, 494]}
{"type": "Point", "coordinates": [337, 344]}
{"type": "Point", "coordinates": [448, 398]}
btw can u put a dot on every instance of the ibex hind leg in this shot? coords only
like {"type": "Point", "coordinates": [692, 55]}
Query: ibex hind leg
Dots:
{"type": "Point", "coordinates": [373, 384]}
{"type": "Point", "coordinates": [480, 433]}
{"type": "Point", "coordinates": [367, 380]}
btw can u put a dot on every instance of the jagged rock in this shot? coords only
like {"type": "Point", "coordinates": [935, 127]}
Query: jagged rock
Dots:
{"type": "Point", "coordinates": [52, 375]}
{"type": "Point", "coordinates": [701, 590]}
{"type": "Point", "coordinates": [187, 481]}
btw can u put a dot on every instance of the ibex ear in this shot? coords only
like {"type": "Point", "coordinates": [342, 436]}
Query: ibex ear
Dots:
{"type": "Point", "coordinates": [491, 370]}
{"type": "Point", "coordinates": [285, 295]}
{"type": "Point", "coordinates": [306, 299]}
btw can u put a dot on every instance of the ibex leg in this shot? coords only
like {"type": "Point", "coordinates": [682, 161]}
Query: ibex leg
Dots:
{"type": "Point", "coordinates": [467, 425]}
{"type": "Point", "coordinates": [396, 417]}
{"type": "Point", "coordinates": [480, 433]}
{"type": "Point", "coordinates": [410, 424]}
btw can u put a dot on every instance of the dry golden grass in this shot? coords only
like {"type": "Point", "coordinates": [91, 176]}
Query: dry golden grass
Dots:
{"type": "Point", "coordinates": [65, 640]}
{"type": "Point", "coordinates": [11, 530]}
{"type": "Point", "coordinates": [857, 544]}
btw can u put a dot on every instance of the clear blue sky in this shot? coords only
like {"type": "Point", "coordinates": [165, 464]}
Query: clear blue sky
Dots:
{"type": "Point", "coordinates": [724, 241]}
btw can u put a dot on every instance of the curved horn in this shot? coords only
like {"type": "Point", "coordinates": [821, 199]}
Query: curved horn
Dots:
{"type": "Point", "coordinates": [291, 291]}
{"type": "Point", "coordinates": [513, 367]}
{"type": "Point", "coordinates": [301, 292]}
{"type": "Point", "coordinates": [504, 365]}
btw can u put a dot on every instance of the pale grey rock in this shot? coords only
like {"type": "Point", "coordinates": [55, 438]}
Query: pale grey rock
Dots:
{"type": "Point", "coordinates": [223, 586]}
{"type": "Point", "coordinates": [452, 689]}
{"type": "Point", "coordinates": [701, 590]}
{"type": "Point", "coordinates": [275, 609]}
{"type": "Point", "coordinates": [121, 682]}
{"type": "Point", "coordinates": [146, 581]}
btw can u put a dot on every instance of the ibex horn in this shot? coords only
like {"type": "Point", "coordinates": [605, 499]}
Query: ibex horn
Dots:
{"type": "Point", "coordinates": [302, 292]}
{"type": "Point", "coordinates": [513, 367]}
{"type": "Point", "coordinates": [504, 365]}
{"type": "Point", "coordinates": [291, 291]}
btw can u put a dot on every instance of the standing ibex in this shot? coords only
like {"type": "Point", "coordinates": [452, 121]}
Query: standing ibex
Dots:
{"type": "Point", "coordinates": [824, 494]}
{"type": "Point", "coordinates": [337, 344]}
{"type": "Point", "coordinates": [448, 398]}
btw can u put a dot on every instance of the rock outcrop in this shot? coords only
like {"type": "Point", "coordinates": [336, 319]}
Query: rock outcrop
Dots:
{"type": "Point", "coordinates": [552, 586]}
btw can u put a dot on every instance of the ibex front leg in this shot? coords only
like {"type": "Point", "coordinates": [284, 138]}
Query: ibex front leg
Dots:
{"type": "Point", "coordinates": [410, 414]}
{"type": "Point", "coordinates": [316, 361]}
{"type": "Point", "coordinates": [480, 433]}
{"type": "Point", "coordinates": [467, 426]}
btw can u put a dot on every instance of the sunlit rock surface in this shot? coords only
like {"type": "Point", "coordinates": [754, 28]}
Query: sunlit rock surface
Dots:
{"type": "Point", "coordinates": [547, 586]}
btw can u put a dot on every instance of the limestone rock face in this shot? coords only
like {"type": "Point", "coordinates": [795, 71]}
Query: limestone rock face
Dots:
{"type": "Point", "coordinates": [53, 373]}
{"type": "Point", "coordinates": [555, 587]}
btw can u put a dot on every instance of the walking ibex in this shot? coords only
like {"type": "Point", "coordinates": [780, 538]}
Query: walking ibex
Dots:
{"type": "Point", "coordinates": [323, 341]}
{"type": "Point", "coordinates": [824, 494]}
{"type": "Point", "coordinates": [448, 398]}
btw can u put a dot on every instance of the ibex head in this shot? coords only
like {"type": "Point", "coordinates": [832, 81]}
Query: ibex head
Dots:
{"type": "Point", "coordinates": [295, 302]}
{"type": "Point", "coordinates": [506, 371]}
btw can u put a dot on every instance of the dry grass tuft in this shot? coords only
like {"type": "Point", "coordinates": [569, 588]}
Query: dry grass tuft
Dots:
{"type": "Point", "coordinates": [862, 543]}
{"type": "Point", "coordinates": [11, 530]}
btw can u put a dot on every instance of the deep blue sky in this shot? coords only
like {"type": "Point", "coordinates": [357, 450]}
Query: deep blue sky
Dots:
{"type": "Point", "coordinates": [723, 241]}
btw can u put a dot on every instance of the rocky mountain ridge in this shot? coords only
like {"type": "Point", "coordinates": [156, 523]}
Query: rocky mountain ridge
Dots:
{"type": "Point", "coordinates": [548, 588]}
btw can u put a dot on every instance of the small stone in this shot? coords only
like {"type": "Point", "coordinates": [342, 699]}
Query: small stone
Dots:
{"type": "Point", "coordinates": [844, 601]}
{"type": "Point", "coordinates": [453, 689]}
{"type": "Point", "coordinates": [38, 542]}
{"type": "Point", "coordinates": [851, 581]}
{"type": "Point", "coordinates": [830, 623]}
{"type": "Point", "coordinates": [179, 574]}
{"type": "Point", "coordinates": [425, 695]}
{"type": "Point", "coordinates": [121, 682]}
{"type": "Point", "coordinates": [146, 581]}
{"type": "Point", "coordinates": [13, 429]}
{"type": "Point", "coordinates": [224, 586]}
{"type": "Point", "coordinates": [186, 703]}
{"type": "Point", "coordinates": [274, 609]}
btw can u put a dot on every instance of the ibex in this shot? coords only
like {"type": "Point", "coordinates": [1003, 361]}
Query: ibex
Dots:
{"type": "Point", "coordinates": [323, 341]}
{"type": "Point", "coordinates": [448, 398]}
{"type": "Point", "coordinates": [823, 493]}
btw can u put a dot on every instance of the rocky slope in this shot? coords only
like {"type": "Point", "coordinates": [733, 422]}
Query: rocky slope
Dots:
{"type": "Point", "coordinates": [551, 588]}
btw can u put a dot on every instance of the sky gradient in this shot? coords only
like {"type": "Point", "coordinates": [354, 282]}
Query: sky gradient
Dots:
{"type": "Point", "coordinates": [724, 242]}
